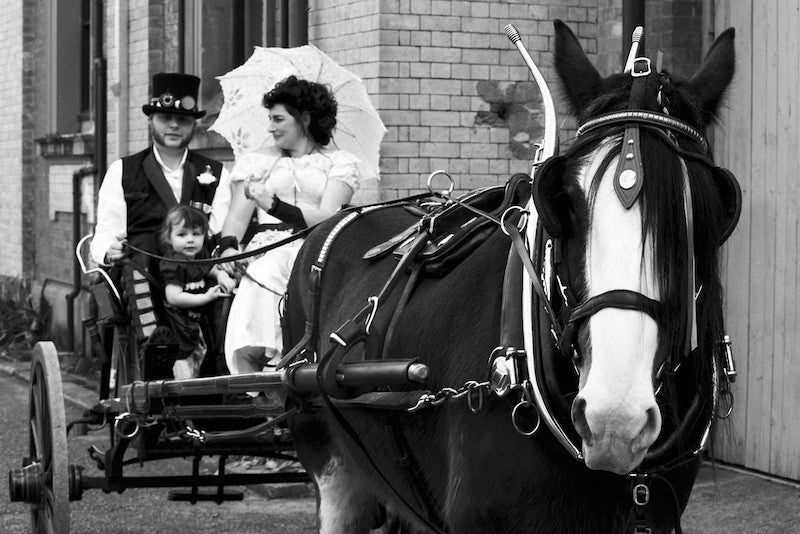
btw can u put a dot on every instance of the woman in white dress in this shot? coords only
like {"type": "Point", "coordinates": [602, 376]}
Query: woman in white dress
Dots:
{"type": "Point", "coordinates": [299, 183]}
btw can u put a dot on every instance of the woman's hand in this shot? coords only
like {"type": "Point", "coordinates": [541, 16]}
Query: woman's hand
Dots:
{"type": "Point", "coordinates": [225, 281]}
{"type": "Point", "coordinates": [262, 193]}
{"type": "Point", "coordinates": [229, 267]}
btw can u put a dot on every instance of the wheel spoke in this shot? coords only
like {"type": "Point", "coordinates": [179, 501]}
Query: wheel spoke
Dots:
{"type": "Point", "coordinates": [47, 514]}
{"type": "Point", "coordinates": [37, 442]}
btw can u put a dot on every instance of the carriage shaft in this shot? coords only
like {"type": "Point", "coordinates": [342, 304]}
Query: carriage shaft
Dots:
{"type": "Point", "coordinates": [361, 376]}
{"type": "Point", "coordinates": [188, 481]}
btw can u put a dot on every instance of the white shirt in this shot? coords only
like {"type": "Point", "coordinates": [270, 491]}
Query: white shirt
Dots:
{"type": "Point", "coordinates": [112, 212]}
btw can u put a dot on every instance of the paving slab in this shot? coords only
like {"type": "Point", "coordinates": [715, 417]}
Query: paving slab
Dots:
{"type": "Point", "coordinates": [727, 499]}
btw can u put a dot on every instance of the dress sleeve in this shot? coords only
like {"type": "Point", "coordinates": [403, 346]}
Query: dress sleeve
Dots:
{"type": "Point", "coordinates": [253, 164]}
{"type": "Point", "coordinates": [112, 213]}
{"type": "Point", "coordinates": [221, 203]}
{"type": "Point", "coordinates": [344, 169]}
{"type": "Point", "coordinates": [170, 273]}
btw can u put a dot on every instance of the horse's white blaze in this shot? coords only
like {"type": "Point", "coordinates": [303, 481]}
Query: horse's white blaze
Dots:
{"type": "Point", "coordinates": [620, 409]}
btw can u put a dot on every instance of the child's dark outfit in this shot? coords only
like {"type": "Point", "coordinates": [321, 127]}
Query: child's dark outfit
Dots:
{"type": "Point", "coordinates": [185, 322]}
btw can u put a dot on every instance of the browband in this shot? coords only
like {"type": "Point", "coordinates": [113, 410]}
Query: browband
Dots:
{"type": "Point", "coordinates": [644, 117]}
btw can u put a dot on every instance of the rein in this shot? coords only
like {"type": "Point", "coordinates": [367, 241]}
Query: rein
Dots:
{"type": "Point", "coordinates": [226, 259]}
{"type": "Point", "coordinates": [266, 248]}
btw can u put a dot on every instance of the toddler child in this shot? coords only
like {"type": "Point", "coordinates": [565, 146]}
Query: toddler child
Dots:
{"type": "Point", "coordinates": [185, 289]}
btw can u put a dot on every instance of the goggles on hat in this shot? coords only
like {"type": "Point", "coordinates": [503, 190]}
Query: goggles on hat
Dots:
{"type": "Point", "coordinates": [168, 100]}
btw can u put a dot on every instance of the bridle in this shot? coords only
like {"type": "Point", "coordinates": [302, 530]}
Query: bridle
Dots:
{"type": "Point", "coordinates": [667, 129]}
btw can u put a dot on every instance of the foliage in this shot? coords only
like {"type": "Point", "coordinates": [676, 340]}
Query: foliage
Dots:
{"type": "Point", "coordinates": [20, 325]}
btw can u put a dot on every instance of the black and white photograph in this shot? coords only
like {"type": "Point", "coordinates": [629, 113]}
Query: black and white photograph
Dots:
{"type": "Point", "coordinates": [400, 266]}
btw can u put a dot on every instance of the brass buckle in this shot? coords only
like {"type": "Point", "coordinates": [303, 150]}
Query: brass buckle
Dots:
{"type": "Point", "coordinates": [637, 69]}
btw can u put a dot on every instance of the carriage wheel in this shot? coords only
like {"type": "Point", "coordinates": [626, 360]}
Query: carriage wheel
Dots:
{"type": "Point", "coordinates": [48, 441]}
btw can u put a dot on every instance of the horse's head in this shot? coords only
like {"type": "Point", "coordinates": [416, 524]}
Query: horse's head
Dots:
{"type": "Point", "coordinates": [644, 242]}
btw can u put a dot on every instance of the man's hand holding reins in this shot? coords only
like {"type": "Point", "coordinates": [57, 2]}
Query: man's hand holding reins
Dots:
{"type": "Point", "coordinates": [115, 252]}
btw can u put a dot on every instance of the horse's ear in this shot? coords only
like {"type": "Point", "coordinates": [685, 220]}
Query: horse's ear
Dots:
{"type": "Point", "coordinates": [714, 75]}
{"type": "Point", "coordinates": [551, 198]}
{"type": "Point", "coordinates": [580, 80]}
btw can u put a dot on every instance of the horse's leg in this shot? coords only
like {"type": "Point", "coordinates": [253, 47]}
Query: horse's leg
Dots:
{"type": "Point", "coordinates": [346, 504]}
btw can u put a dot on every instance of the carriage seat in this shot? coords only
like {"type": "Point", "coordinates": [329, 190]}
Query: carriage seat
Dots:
{"type": "Point", "coordinates": [128, 296]}
{"type": "Point", "coordinates": [454, 231]}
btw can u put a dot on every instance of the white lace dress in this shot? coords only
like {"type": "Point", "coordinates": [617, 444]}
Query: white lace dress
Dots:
{"type": "Point", "coordinates": [253, 330]}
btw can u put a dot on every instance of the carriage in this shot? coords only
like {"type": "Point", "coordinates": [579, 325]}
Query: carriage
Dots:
{"type": "Point", "coordinates": [545, 356]}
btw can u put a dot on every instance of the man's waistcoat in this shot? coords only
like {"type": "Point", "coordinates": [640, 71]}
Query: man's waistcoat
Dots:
{"type": "Point", "coordinates": [148, 195]}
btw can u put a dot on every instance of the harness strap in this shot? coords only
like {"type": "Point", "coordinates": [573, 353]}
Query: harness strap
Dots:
{"type": "Point", "coordinates": [644, 118]}
{"type": "Point", "coordinates": [411, 284]}
{"type": "Point", "coordinates": [522, 252]}
{"type": "Point", "coordinates": [616, 298]}
{"type": "Point", "coordinates": [629, 175]}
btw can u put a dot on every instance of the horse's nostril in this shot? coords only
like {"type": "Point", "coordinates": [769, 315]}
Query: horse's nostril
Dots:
{"type": "Point", "coordinates": [579, 420]}
{"type": "Point", "coordinates": [650, 430]}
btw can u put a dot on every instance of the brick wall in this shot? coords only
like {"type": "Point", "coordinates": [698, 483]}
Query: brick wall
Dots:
{"type": "Point", "coordinates": [452, 90]}
{"type": "Point", "coordinates": [11, 136]}
{"type": "Point", "coordinates": [348, 31]}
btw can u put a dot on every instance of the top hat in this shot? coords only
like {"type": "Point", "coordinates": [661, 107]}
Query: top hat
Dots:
{"type": "Point", "coordinates": [174, 93]}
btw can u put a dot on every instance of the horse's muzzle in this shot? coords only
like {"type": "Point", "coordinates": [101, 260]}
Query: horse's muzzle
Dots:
{"type": "Point", "coordinates": [615, 439]}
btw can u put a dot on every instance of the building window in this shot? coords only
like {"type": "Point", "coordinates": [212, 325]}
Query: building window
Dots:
{"type": "Point", "coordinates": [70, 65]}
{"type": "Point", "coordinates": [219, 35]}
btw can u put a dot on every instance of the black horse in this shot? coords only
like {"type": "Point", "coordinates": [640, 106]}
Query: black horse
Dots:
{"type": "Point", "coordinates": [633, 273]}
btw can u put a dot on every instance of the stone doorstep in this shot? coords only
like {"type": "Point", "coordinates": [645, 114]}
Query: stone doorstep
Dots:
{"type": "Point", "coordinates": [78, 395]}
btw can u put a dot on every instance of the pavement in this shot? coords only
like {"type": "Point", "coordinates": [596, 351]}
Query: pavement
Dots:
{"type": "Point", "coordinates": [726, 499]}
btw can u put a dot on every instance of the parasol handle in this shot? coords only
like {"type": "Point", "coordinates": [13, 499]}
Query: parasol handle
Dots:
{"type": "Point", "coordinates": [549, 145]}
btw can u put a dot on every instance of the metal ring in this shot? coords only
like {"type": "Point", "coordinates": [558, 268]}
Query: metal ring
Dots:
{"type": "Point", "coordinates": [729, 395]}
{"type": "Point", "coordinates": [503, 217]}
{"type": "Point", "coordinates": [474, 407]}
{"type": "Point", "coordinates": [120, 433]}
{"type": "Point", "coordinates": [514, 412]}
{"type": "Point", "coordinates": [450, 178]}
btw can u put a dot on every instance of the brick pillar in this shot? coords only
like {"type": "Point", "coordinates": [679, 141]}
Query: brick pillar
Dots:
{"type": "Point", "coordinates": [12, 94]}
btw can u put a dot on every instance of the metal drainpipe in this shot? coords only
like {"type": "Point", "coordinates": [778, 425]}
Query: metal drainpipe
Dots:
{"type": "Point", "coordinates": [100, 112]}
{"type": "Point", "coordinates": [77, 178]}
{"type": "Point", "coordinates": [99, 166]}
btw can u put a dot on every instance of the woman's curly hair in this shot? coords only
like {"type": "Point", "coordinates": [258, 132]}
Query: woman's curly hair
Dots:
{"type": "Point", "coordinates": [301, 96]}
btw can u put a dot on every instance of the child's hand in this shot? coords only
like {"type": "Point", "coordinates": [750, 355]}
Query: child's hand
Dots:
{"type": "Point", "coordinates": [226, 282]}
{"type": "Point", "coordinates": [215, 292]}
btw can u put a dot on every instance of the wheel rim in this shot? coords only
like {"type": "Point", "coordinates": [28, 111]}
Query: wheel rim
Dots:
{"type": "Point", "coordinates": [48, 441]}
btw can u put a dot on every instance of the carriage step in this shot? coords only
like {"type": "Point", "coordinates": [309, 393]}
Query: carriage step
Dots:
{"type": "Point", "coordinates": [188, 496]}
